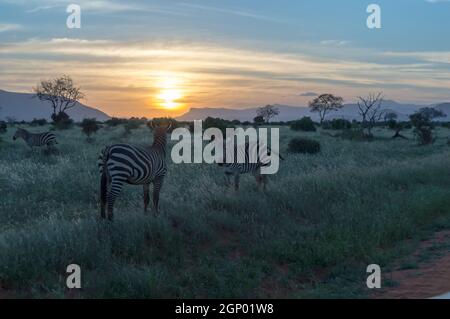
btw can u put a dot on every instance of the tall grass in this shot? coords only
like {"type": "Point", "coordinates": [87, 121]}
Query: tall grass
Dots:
{"type": "Point", "coordinates": [323, 218]}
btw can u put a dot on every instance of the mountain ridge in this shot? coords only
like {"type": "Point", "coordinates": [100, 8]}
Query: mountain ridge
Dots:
{"type": "Point", "coordinates": [24, 107]}
{"type": "Point", "coordinates": [289, 112]}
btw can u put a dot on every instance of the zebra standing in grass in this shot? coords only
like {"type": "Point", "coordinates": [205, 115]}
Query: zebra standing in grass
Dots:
{"type": "Point", "coordinates": [39, 139]}
{"type": "Point", "coordinates": [135, 165]}
{"type": "Point", "coordinates": [248, 158]}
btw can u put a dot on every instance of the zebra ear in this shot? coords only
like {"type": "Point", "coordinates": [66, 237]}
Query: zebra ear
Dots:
{"type": "Point", "coordinates": [169, 125]}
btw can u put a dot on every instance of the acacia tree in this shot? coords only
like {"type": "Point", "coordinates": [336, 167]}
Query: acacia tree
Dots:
{"type": "Point", "coordinates": [61, 92]}
{"type": "Point", "coordinates": [268, 112]}
{"type": "Point", "coordinates": [370, 111]}
{"type": "Point", "coordinates": [326, 103]}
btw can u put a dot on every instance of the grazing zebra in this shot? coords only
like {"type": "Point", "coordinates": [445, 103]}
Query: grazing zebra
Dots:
{"type": "Point", "coordinates": [135, 165]}
{"type": "Point", "coordinates": [248, 158]}
{"type": "Point", "coordinates": [39, 139]}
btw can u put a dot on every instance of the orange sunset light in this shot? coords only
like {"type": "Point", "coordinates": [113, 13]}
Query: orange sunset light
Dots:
{"type": "Point", "coordinates": [170, 92]}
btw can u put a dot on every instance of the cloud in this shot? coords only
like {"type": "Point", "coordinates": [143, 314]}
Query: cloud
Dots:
{"type": "Point", "coordinates": [96, 6]}
{"type": "Point", "coordinates": [240, 13]}
{"type": "Point", "coordinates": [308, 94]}
{"type": "Point", "coordinates": [212, 75]}
{"type": "Point", "coordinates": [335, 42]}
{"type": "Point", "coordinates": [9, 27]}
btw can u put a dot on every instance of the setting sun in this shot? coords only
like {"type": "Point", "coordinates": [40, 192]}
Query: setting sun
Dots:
{"type": "Point", "coordinates": [169, 92]}
{"type": "Point", "coordinates": [168, 98]}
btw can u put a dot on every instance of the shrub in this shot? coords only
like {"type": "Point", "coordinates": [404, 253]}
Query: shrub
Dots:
{"type": "Point", "coordinates": [337, 124]}
{"type": "Point", "coordinates": [304, 146]}
{"type": "Point", "coordinates": [341, 124]}
{"type": "Point", "coordinates": [89, 126]}
{"type": "Point", "coordinates": [211, 122]}
{"type": "Point", "coordinates": [133, 124]}
{"type": "Point", "coordinates": [115, 121]}
{"type": "Point", "coordinates": [305, 124]}
{"type": "Point", "coordinates": [353, 134]}
{"type": "Point", "coordinates": [3, 127]}
{"type": "Point", "coordinates": [38, 122]}
{"type": "Point", "coordinates": [259, 120]}
{"type": "Point", "coordinates": [62, 121]}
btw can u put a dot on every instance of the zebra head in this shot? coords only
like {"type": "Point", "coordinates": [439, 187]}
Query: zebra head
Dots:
{"type": "Point", "coordinates": [160, 133]}
{"type": "Point", "coordinates": [19, 133]}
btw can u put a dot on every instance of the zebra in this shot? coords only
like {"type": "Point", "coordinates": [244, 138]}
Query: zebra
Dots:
{"type": "Point", "coordinates": [251, 157]}
{"type": "Point", "coordinates": [39, 139]}
{"type": "Point", "coordinates": [135, 165]}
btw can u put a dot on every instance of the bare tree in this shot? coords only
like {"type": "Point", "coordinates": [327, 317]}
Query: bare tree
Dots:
{"type": "Point", "coordinates": [370, 110]}
{"type": "Point", "coordinates": [60, 92]}
{"type": "Point", "coordinates": [268, 112]}
{"type": "Point", "coordinates": [326, 103]}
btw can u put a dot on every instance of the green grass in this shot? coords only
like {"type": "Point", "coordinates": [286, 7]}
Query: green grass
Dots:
{"type": "Point", "coordinates": [323, 219]}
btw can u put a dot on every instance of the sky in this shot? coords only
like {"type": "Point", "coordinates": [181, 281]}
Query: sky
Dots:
{"type": "Point", "coordinates": [162, 57]}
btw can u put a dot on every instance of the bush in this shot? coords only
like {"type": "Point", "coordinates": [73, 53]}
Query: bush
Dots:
{"type": "Point", "coordinates": [3, 127]}
{"type": "Point", "coordinates": [38, 122]}
{"type": "Point", "coordinates": [353, 134]}
{"type": "Point", "coordinates": [62, 121]}
{"type": "Point", "coordinates": [115, 121]}
{"type": "Point", "coordinates": [211, 122]}
{"type": "Point", "coordinates": [133, 124]}
{"type": "Point", "coordinates": [89, 126]}
{"type": "Point", "coordinates": [305, 124]}
{"type": "Point", "coordinates": [341, 124]}
{"type": "Point", "coordinates": [304, 146]}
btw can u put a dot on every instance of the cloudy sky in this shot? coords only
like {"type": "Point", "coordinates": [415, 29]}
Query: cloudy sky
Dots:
{"type": "Point", "coordinates": [161, 57]}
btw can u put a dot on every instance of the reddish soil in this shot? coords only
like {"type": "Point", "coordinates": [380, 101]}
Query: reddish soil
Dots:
{"type": "Point", "coordinates": [428, 279]}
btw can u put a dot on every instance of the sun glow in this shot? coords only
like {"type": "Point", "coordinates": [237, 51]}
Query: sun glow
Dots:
{"type": "Point", "coordinates": [170, 92]}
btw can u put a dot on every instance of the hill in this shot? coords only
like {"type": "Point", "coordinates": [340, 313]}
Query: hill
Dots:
{"type": "Point", "coordinates": [23, 107]}
{"type": "Point", "coordinates": [288, 113]}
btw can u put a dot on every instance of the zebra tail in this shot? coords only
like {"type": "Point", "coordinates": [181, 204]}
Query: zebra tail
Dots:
{"type": "Point", "coordinates": [104, 175]}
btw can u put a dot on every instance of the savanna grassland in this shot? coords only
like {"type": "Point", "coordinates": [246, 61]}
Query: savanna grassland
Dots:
{"type": "Point", "coordinates": [323, 219]}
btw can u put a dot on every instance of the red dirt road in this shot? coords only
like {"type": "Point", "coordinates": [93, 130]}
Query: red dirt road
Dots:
{"type": "Point", "coordinates": [429, 279]}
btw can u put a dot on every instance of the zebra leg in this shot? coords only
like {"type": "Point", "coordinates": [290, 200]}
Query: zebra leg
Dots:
{"type": "Point", "coordinates": [236, 181]}
{"type": "Point", "coordinates": [103, 194]}
{"type": "Point", "coordinates": [114, 191]}
{"type": "Point", "coordinates": [264, 181]}
{"type": "Point", "coordinates": [157, 184]}
{"type": "Point", "coordinates": [259, 180]}
{"type": "Point", "coordinates": [228, 178]}
{"type": "Point", "coordinates": [146, 196]}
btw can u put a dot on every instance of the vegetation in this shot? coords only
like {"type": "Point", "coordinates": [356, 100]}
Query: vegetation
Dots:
{"type": "Point", "coordinates": [323, 219]}
{"type": "Point", "coordinates": [133, 124]}
{"type": "Point", "coordinates": [268, 112]}
{"type": "Point", "coordinates": [326, 103]}
{"type": "Point", "coordinates": [337, 124]}
{"type": "Point", "coordinates": [423, 124]}
{"type": "Point", "coordinates": [303, 146]}
{"type": "Point", "coordinates": [62, 121]}
{"type": "Point", "coordinates": [38, 122]}
{"type": "Point", "coordinates": [259, 120]}
{"type": "Point", "coordinates": [63, 94]}
{"type": "Point", "coordinates": [89, 127]}
{"type": "Point", "coordinates": [114, 121]}
{"type": "Point", "coordinates": [371, 112]}
{"type": "Point", "coordinates": [3, 127]}
{"type": "Point", "coordinates": [305, 124]}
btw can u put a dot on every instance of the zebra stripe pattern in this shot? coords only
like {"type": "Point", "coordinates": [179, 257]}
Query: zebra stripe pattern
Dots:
{"type": "Point", "coordinates": [40, 139]}
{"type": "Point", "coordinates": [121, 164]}
{"type": "Point", "coordinates": [248, 158]}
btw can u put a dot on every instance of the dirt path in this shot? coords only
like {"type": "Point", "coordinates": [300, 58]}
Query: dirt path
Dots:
{"type": "Point", "coordinates": [426, 277]}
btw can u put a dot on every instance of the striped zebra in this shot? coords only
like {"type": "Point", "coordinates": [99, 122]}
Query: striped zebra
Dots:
{"type": "Point", "coordinates": [39, 139]}
{"type": "Point", "coordinates": [135, 165]}
{"type": "Point", "coordinates": [248, 158]}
